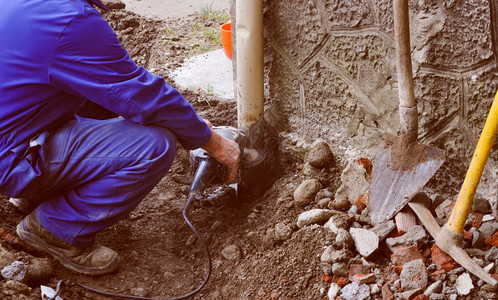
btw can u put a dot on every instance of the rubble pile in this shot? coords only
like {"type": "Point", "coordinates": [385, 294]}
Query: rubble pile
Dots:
{"type": "Point", "coordinates": [397, 259]}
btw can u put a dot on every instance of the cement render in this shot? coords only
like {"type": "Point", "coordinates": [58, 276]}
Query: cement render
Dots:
{"type": "Point", "coordinates": [332, 74]}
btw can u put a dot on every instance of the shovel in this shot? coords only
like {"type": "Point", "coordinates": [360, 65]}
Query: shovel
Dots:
{"type": "Point", "coordinates": [402, 165]}
{"type": "Point", "coordinates": [450, 237]}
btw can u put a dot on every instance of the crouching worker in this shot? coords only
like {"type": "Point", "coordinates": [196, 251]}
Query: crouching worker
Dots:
{"type": "Point", "coordinates": [88, 168]}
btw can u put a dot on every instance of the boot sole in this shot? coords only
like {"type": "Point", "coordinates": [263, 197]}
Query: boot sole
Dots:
{"type": "Point", "coordinates": [39, 244]}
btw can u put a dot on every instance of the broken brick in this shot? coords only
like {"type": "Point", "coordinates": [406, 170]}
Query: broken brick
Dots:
{"type": "Point", "coordinates": [364, 278]}
{"type": "Point", "coordinates": [421, 297]}
{"type": "Point", "coordinates": [362, 202]}
{"type": "Point", "coordinates": [367, 164]}
{"type": "Point", "coordinates": [442, 259]}
{"type": "Point", "coordinates": [405, 220]}
{"type": "Point", "coordinates": [411, 294]}
{"type": "Point", "coordinates": [467, 235]}
{"type": "Point", "coordinates": [357, 269]}
{"type": "Point", "coordinates": [403, 255]}
{"type": "Point", "coordinates": [342, 281]}
{"type": "Point", "coordinates": [492, 240]}
{"type": "Point", "coordinates": [438, 275]}
{"type": "Point", "coordinates": [477, 221]}
{"type": "Point", "coordinates": [326, 278]}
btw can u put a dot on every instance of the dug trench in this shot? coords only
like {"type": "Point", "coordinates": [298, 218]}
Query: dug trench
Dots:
{"type": "Point", "coordinates": [307, 237]}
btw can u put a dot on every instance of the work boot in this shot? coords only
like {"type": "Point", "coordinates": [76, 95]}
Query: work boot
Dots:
{"type": "Point", "coordinates": [93, 260]}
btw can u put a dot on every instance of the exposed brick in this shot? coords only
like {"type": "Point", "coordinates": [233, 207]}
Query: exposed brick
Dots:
{"type": "Point", "coordinates": [403, 255]}
{"type": "Point", "coordinates": [367, 164]}
{"type": "Point", "coordinates": [362, 202]}
{"type": "Point", "coordinates": [405, 220]}
{"type": "Point", "coordinates": [364, 278]}
{"type": "Point", "coordinates": [477, 221]}
{"type": "Point", "coordinates": [342, 281]}
{"type": "Point", "coordinates": [467, 235]}
{"type": "Point", "coordinates": [442, 259]}
{"type": "Point", "coordinates": [492, 240]}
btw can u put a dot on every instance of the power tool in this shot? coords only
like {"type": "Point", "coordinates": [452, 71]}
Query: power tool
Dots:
{"type": "Point", "coordinates": [210, 172]}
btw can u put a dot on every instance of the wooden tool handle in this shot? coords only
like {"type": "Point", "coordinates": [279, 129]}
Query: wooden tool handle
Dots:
{"type": "Point", "coordinates": [403, 54]}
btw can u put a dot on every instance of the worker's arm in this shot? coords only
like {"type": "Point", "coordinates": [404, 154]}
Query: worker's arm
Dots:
{"type": "Point", "coordinates": [90, 62]}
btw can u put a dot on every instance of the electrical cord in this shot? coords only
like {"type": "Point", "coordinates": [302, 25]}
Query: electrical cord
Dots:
{"type": "Point", "coordinates": [203, 243]}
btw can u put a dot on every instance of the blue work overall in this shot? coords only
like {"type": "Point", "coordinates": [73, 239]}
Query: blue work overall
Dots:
{"type": "Point", "coordinates": [56, 55]}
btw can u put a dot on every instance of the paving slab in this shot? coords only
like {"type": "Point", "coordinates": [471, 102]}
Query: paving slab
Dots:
{"type": "Point", "coordinates": [211, 72]}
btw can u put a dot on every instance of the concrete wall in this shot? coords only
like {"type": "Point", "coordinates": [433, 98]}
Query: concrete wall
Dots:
{"type": "Point", "coordinates": [331, 73]}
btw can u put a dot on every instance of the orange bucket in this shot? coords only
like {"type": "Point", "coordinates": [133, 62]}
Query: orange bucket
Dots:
{"type": "Point", "coordinates": [226, 38]}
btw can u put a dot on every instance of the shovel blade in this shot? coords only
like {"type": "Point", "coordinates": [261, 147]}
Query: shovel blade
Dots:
{"type": "Point", "coordinates": [398, 174]}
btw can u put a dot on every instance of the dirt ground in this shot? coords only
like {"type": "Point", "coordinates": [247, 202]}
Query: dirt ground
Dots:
{"type": "Point", "coordinates": [160, 255]}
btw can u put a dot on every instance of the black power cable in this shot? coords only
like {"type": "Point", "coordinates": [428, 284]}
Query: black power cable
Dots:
{"type": "Point", "coordinates": [203, 243]}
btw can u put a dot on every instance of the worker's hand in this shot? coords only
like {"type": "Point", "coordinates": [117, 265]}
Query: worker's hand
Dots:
{"type": "Point", "coordinates": [225, 151]}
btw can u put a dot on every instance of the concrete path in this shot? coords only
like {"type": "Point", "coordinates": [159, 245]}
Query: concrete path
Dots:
{"type": "Point", "coordinates": [210, 72]}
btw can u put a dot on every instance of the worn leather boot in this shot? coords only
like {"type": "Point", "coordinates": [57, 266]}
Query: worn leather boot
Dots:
{"type": "Point", "coordinates": [94, 260]}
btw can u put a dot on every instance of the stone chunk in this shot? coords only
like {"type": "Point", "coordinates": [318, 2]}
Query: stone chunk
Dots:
{"type": "Point", "coordinates": [464, 284]}
{"type": "Point", "coordinates": [382, 230]}
{"type": "Point", "coordinates": [320, 155]}
{"type": "Point", "coordinates": [313, 216]}
{"type": "Point", "coordinates": [15, 271]}
{"type": "Point", "coordinates": [353, 182]}
{"type": "Point", "coordinates": [330, 255]}
{"type": "Point", "coordinates": [416, 235]}
{"type": "Point", "coordinates": [343, 238]}
{"type": "Point", "coordinates": [282, 232]}
{"type": "Point", "coordinates": [404, 255]}
{"type": "Point", "coordinates": [366, 242]}
{"type": "Point", "coordinates": [333, 291]}
{"type": "Point", "coordinates": [306, 192]}
{"type": "Point", "coordinates": [338, 220]}
{"type": "Point", "coordinates": [355, 291]}
{"type": "Point", "coordinates": [232, 252]}
{"type": "Point", "coordinates": [414, 275]}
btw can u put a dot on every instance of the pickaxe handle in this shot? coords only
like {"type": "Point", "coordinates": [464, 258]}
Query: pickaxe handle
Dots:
{"type": "Point", "coordinates": [463, 205]}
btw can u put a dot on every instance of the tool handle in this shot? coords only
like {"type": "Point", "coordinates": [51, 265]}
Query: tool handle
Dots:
{"type": "Point", "coordinates": [463, 205]}
{"type": "Point", "coordinates": [205, 174]}
{"type": "Point", "coordinates": [408, 115]}
{"type": "Point", "coordinates": [403, 54]}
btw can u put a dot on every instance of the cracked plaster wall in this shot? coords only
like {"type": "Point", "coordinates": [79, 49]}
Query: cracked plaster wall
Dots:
{"type": "Point", "coordinates": [330, 71]}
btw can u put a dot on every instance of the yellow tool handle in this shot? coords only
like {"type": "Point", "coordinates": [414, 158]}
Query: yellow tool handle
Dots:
{"type": "Point", "coordinates": [463, 205]}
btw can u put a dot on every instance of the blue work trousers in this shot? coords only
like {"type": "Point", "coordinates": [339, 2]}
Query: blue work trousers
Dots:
{"type": "Point", "coordinates": [95, 172]}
